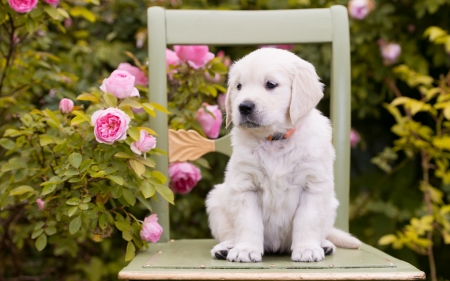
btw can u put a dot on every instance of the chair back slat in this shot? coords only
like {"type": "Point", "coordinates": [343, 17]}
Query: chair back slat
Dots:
{"type": "Point", "coordinates": [248, 27]}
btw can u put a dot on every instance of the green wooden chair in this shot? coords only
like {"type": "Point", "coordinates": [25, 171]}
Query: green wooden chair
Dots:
{"type": "Point", "coordinates": [190, 259]}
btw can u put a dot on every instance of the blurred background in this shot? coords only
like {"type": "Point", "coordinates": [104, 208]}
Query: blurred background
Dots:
{"type": "Point", "coordinates": [400, 192]}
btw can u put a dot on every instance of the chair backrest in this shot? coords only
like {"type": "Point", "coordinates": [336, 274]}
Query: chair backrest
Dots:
{"type": "Point", "coordinates": [208, 27]}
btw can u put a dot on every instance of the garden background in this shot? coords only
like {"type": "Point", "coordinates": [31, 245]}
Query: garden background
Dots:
{"type": "Point", "coordinates": [400, 191]}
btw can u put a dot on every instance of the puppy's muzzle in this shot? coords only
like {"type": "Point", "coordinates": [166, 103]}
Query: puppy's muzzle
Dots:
{"type": "Point", "coordinates": [246, 108]}
{"type": "Point", "coordinates": [248, 112]}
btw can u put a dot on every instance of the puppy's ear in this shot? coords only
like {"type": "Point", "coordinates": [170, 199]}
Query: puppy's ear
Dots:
{"type": "Point", "coordinates": [228, 111]}
{"type": "Point", "coordinates": [307, 91]}
{"type": "Point", "coordinates": [228, 108]}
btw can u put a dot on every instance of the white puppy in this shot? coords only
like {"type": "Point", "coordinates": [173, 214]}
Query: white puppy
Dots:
{"type": "Point", "coordinates": [278, 195]}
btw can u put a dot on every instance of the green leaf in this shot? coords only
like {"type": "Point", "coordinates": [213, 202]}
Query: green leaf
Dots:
{"type": "Point", "coordinates": [102, 223]}
{"type": "Point", "coordinates": [160, 108]}
{"type": "Point", "coordinates": [74, 225]}
{"type": "Point", "coordinates": [39, 225]}
{"type": "Point", "coordinates": [71, 172]}
{"type": "Point", "coordinates": [149, 109]}
{"type": "Point", "coordinates": [48, 189]}
{"type": "Point", "coordinates": [116, 179]}
{"type": "Point", "coordinates": [50, 230]}
{"type": "Point", "coordinates": [387, 239]}
{"type": "Point", "coordinates": [219, 68]}
{"type": "Point", "coordinates": [138, 167]}
{"type": "Point", "coordinates": [74, 201]}
{"type": "Point", "coordinates": [72, 211]}
{"type": "Point", "coordinates": [63, 13]}
{"type": "Point", "coordinates": [36, 233]}
{"type": "Point", "coordinates": [7, 143]}
{"type": "Point", "coordinates": [41, 242]}
{"type": "Point", "coordinates": [129, 196]}
{"type": "Point", "coordinates": [51, 11]}
{"type": "Point", "coordinates": [52, 116]}
{"type": "Point", "coordinates": [130, 251]}
{"type": "Point", "coordinates": [78, 11]}
{"type": "Point", "coordinates": [45, 140]}
{"type": "Point", "coordinates": [83, 206]}
{"type": "Point", "coordinates": [80, 117]}
{"type": "Point", "coordinates": [88, 97]}
{"type": "Point", "coordinates": [130, 102]}
{"type": "Point", "coordinates": [147, 189]}
{"type": "Point", "coordinates": [110, 99]}
{"type": "Point", "coordinates": [145, 161]}
{"type": "Point", "coordinates": [122, 225]}
{"type": "Point", "coordinates": [126, 235]}
{"type": "Point", "coordinates": [165, 192]}
{"type": "Point", "coordinates": [159, 176]}
{"type": "Point", "coordinates": [86, 164]}
{"type": "Point", "coordinates": [144, 202]}
{"type": "Point", "coordinates": [75, 159]}
{"type": "Point", "coordinates": [123, 155]}
{"type": "Point", "coordinates": [21, 190]}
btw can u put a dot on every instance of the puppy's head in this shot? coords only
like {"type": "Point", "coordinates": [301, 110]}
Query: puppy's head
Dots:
{"type": "Point", "coordinates": [271, 90]}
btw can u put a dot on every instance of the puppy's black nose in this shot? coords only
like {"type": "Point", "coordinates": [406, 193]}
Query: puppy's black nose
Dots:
{"type": "Point", "coordinates": [246, 107]}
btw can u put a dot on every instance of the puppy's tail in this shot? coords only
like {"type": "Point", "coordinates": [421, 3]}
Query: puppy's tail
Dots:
{"type": "Point", "coordinates": [343, 239]}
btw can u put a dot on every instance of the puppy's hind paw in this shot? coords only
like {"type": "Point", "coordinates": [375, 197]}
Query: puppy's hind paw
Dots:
{"type": "Point", "coordinates": [328, 247]}
{"type": "Point", "coordinates": [220, 251]}
{"type": "Point", "coordinates": [308, 254]}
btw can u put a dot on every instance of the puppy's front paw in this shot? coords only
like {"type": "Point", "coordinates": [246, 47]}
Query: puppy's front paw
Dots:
{"type": "Point", "coordinates": [220, 251]}
{"type": "Point", "coordinates": [244, 253]}
{"type": "Point", "coordinates": [308, 254]}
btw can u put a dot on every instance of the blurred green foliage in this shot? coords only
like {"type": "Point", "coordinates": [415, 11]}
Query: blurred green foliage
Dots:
{"type": "Point", "coordinates": [58, 57]}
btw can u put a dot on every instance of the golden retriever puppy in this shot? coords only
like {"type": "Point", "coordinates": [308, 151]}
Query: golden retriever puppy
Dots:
{"type": "Point", "coordinates": [278, 195]}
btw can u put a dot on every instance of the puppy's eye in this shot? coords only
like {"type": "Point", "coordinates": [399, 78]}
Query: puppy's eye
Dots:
{"type": "Point", "coordinates": [271, 85]}
{"type": "Point", "coordinates": [239, 86]}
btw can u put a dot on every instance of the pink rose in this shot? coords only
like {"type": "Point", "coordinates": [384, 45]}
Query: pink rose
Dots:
{"type": "Point", "coordinates": [183, 177]}
{"type": "Point", "coordinates": [221, 98]}
{"type": "Point", "coordinates": [139, 75]}
{"type": "Point", "coordinates": [359, 9]}
{"type": "Point", "coordinates": [22, 6]}
{"type": "Point", "coordinates": [54, 3]}
{"type": "Point", "coordinates": [195, 56]}
{"type": "Point", "coordinates": [171, 58]}
{"type": "Point", "coordinates": [354, 138]}
{"type": "Point", "coordinates": [210, 123]}
{"type": "Point", "coordinates": [110, 125]}
{"type": "Point", "coordinates": [145, 143]}
{"type": "Point", "coordinates": [41, 204]}
{"type": "Point", "coordinates": [151, 230]}
{"type": "Point", "coordinates": [121, 84]}
{"type": "Point", "coordinates": [66, 105]}
{"type": "Point", "coordinates": [389, 51]}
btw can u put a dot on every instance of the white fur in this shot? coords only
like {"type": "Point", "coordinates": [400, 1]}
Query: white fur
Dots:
{"type": "Point", "coordinates": [278, 196]}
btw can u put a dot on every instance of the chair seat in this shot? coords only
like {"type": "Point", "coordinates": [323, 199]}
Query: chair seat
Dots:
{"type": "Point", "coordinates": [191, 260]}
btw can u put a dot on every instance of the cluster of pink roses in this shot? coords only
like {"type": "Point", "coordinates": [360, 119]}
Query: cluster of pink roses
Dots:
{"type": "Point", "coordinates": [359, 9]}
{"type": "Point", "coordinates": [111, 124]}
{"type": "Point", "coordinates": [24, 6]}
{"type": "Point", "coordinates": [195, 56]}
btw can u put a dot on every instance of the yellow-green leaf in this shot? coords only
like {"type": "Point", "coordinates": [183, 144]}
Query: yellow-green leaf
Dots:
{"type": "Point", "coordinates": [165, 192]}
{"type": "Point", "coordinates": [88, 97]}
{"type": "Point", "coordinates": [138, 167]}
{"type": "Point", "coordinates": [41, 242]}
{"type": "Point", "coordinates": [387, 239]}
{"type": "Point", "coordinates": [110, 99]}
{"type": "Point", "coordinates": [160, 108]}
{"type": "Point", "coordinates": [147, 189]}
{"type": "Point", "coordinates": [21, 190]}
{"type": "Point", "coordinates": [130, 102]}
{"type": "Point", "coordinates": [130, 251]}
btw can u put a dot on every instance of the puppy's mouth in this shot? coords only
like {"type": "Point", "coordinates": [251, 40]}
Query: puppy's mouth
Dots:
{"type": "Point", "coordinates": [248, 122]}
